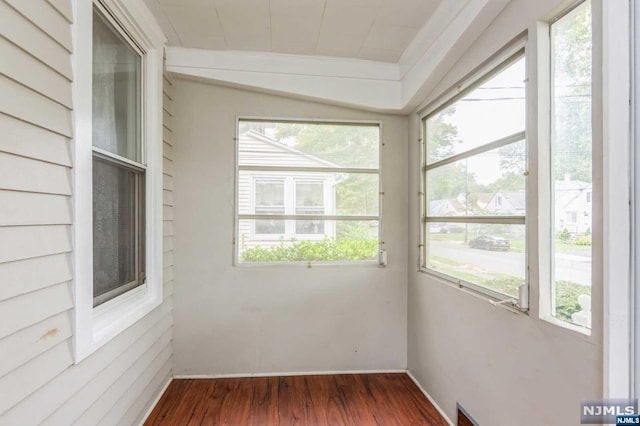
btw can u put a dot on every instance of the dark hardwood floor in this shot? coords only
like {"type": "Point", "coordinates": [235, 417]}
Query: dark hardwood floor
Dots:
{"type": "Point", "coordinates": [346, 399]}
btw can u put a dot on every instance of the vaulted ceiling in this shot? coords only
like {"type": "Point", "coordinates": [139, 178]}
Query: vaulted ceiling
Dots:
{"type": "Point", "coordinates": [375, 54]}
{"type": "Point", "coordinates": [378, 30]}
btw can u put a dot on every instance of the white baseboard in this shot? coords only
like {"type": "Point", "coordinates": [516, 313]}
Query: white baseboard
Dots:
{"type": "Point", "coordinates": [289, 373]}
{"type": "Point", "coordinates": [442, 413]}
{"type": "Point", "coordinates": [155, 401]}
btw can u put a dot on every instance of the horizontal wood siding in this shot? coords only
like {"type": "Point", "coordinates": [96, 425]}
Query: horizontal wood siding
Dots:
{"type": "Point", "coordinates": [39, 381]}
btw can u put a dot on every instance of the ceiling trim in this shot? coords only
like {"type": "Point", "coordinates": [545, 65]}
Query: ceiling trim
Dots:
{"type": "Point", "coordinates": [380, 86]}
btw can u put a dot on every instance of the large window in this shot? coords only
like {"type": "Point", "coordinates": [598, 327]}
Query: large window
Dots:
{"type": "Point", "coordinates": [571, 166]}
{"type": "Point", "coordinates": [474, 175]}
{"type": "Point", "coordinates": [307, 192]}
{"type": "Point", "coordinates": [117, 173]}
{"type": "Point", "coordinates": [118, 164]}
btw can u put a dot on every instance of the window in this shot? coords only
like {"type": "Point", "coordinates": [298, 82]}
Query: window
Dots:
{"type": "Point", "coordinates": [310, 201]}
{"type": "Point", "coordinates": [571, 166]}
{"type": "Point", "coordinates": [307, 191]}
{"type": "Point", "coordinates": [474, 177]}
{"type": "Point", "coordinates": [118, 164]}
{"type": "Point", "coordinates": [269, 200]}
{"type": "Point", "coordinates": [117, 171]}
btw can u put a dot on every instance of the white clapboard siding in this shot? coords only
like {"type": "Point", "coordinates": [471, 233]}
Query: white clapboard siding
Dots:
{"type": "Point", "coordinates": [24, 345]}
{"type": "Point", "coordinates": [29, 377]}
{"type": "Point", "coordinates": [25, 174]}
{"type": "Point", "coordinates": [167, 182]}
{"type": "Point", "coordinates": [25, 276]}
{"type": "Point", "coordinates": [167, 166]}
{"type": "Point", "coordinates": [28, 309]}
{"type": "Point", "coordinates": [39, 381]}
{"type": "Point", "coordinates": [28, 71]}
{"type": "Point", "coordinates": [167, 228]}
{"type": "Point", "coordinates": [167, 150]}
{"type": "Point", "coordinates": [24, 139]}
{"type": "Point", "coordinates": [54, 394]}
{"type": "Point", "coordinates": [20, 31]}
{"type": "Point", "coordinates": [167, 135]}
{"type": "Point", "coordinates": [168, 104]}
{"type": "Point", "coordinates": [28, 105]}
{"type": "Point", "coordinates": [101, 383]}
{"type": "Point", "coordinates": [47, 18]}
{"type": "Point", "coordinates": [157, 385]}
{"type": "Point", "coordinates": [167, 198]}
{"type": "Point", "coordinates": [64, 8]}
{"type": "Point", "coordinates": [111, 399]}
{"type": "Point", "coordinates": [29, 208]}
{"type": "Point", "coordinates": [160, 365]}
{"type": "Point", "coordinates": [33, 241]}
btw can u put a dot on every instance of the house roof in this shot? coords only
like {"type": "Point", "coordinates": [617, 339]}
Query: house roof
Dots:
{"type": "Point", "coordinates": [258, 149]}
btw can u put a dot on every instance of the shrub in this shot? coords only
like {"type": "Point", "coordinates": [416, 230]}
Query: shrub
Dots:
{"type": "Point", "coordinates": [567, 294]}
{"type": "Point", "coordinates": [328, 249]}
{"type": "Point", "coordinates": [584, 240]}
{"type": "Point", "coordinates": [564, 235]}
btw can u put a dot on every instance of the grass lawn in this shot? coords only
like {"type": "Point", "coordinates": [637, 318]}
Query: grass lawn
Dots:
{"type": "Point", "coordinates": [516, 245]}
{"type": "Point", "coordinates": [567, 292]}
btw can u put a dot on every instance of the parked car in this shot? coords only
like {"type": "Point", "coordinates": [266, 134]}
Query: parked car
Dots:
{"type": "Point", "coordinates": [490, 242]}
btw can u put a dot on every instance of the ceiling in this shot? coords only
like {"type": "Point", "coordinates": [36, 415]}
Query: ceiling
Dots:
{"type": "Point", "coordinates": [377, 30]}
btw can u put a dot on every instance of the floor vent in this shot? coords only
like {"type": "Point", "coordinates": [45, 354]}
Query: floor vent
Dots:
{"type": "Point", "coordinates": [464, 419]}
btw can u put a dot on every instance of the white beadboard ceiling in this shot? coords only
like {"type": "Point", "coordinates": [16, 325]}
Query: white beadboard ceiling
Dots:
{"type": "Point", "coordinates": [378, 30]}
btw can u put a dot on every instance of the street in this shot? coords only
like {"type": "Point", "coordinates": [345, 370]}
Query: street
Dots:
{"type": "Point", "coordinates": [568, 267]}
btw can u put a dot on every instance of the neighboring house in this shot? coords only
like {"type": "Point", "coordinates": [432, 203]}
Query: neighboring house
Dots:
{"type": "Point", "coordinates": [573, 207]}
{"type": "Point", "coordinates": [446, 207]}
{"type": "Point", "coordinates": [511, 203]}
{"type": "Point", "coordinates": [264, 192]}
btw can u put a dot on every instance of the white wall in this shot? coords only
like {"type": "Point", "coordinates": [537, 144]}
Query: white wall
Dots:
{"type": "Point", "coordinates": [39, 382]}
{"type": "Point", "coordinates": [503, 368]}
{"type": "Point", "coordinates": [276, 319]}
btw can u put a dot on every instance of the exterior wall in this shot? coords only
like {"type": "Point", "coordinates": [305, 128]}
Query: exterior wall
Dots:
{"type": "Point", "coordinates": [249, 319]}
{"type": "Point", "coordinates": [39, 382]}
{"type": "Point", "coordinates": [502, 368]}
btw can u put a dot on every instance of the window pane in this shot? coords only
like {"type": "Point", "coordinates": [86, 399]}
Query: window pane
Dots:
{"type": "Point", "coordinates": [116, 92]}
{"type": "Point", "coordinates": [116, 262]}
{"type": "Point", "coordinates": [492, 111]}
{"type": "Point", "coordinates": [270, 195]}
{"type": "Point", "coordinates": [308, 145]}
{"type": "Point", "coordinates": [339, 241]}
{"type": "Point", "coordinates": [571, 150]}
{"type": "Point", "coordinates": [487, 184]}
{"type": "Point", "coordinates": [343, 194]}
{"type": "Point", "coordinates": [269, 199]}
{"type": "Point", "coordinates": [309, 196]}
{"type": "Point", "coordinates": [488, 255]}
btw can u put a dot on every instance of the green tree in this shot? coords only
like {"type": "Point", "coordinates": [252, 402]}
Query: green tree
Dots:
{"type": "Point", "coordinates": [572, 76]}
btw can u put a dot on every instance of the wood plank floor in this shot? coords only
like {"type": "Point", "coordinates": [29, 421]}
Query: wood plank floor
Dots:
{"type": "Point", "coordinates": [346, 399]}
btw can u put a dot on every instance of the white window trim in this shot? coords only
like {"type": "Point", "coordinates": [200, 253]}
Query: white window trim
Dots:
{"type": "Point", "coordinates": [546, 209]}
{"type": "Point", "coordinates": [94, 327]}
{"type": "Point", "coordinates": [289, 187]}
{"type": "Point", "coordinates": [486, 70]}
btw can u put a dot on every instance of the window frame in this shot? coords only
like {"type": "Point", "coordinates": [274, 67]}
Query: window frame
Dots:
{"type": "Point", "coordinates": [94, 327]}
{"type": "Point", "coordinates": [546, 206]}
{"type": "Point", "coordinates": [381, 259]}
{"type": "Point", "coordinates": [508, 55]}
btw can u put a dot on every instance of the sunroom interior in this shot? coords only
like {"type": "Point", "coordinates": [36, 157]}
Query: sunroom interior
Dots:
{"type": "Point", "coordinates": [383, 211]}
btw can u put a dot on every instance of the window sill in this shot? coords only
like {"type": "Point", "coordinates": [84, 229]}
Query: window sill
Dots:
{"type": "Point", "coordinates": [566, 325]}
{"type": "Point", "coordinates": [498, 302]}
{"type": "Point", "coordinates": [115, 316]}
{"type": "Point", "coordinates": [307, 265]}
